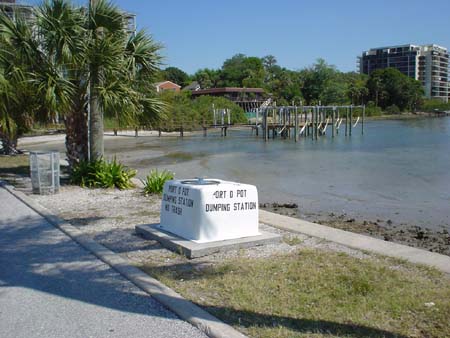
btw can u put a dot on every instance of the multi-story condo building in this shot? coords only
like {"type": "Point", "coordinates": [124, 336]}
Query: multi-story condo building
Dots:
{"type": "Point", "coordinates": [428, 63]}
{"type": "Point", "coordinates": [11, 6]}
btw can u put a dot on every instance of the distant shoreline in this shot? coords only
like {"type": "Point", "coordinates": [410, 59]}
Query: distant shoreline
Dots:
{"type": "Point", "coordinates": [402, 116]}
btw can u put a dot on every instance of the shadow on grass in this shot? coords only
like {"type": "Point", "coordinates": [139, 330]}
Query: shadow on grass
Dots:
{"type": "Point", "coordinates": [248, 319]}
{"type": "Point", "coordinates": [22, 170]}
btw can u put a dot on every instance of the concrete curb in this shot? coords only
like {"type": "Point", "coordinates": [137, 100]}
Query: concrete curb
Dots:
{"type": "Point", "coordinates": [357, 241]}
{"type": "Point", "coordinates": [185, 309]}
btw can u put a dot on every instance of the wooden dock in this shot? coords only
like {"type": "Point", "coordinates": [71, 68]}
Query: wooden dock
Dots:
{"type": "Point", "coordinates": [286, 122]}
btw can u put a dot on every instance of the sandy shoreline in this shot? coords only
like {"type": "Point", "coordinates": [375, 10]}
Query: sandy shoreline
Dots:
{"type": "Point", "coordinates": [149, 152]}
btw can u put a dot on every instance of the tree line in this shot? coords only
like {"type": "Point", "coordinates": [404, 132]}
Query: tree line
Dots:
{"type": "Point", "coordinates": [385, 89]}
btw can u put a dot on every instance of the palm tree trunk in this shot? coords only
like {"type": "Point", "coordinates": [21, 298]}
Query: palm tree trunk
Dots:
{"type": "Point", "coordinates": [76, 136]}
{"type": "Point", "coordinates": [8, 146]}
{"type": "Point", "coordinates": [96, 144]}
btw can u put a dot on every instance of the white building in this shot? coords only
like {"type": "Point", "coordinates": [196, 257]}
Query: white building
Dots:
{"type": "Point", "coordinates": [427, 63]}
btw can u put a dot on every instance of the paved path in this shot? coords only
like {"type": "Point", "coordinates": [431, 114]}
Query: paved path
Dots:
{"type": "Point", "coordinates": [51, 287]}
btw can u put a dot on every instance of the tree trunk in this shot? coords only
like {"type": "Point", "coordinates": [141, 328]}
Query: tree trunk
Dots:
{"type": "Point", "coordinates": [96, 145]}
{"type": "Point", "coordinates": [76, 136]}
{"type": "Point", "coordinates": [8, 145]}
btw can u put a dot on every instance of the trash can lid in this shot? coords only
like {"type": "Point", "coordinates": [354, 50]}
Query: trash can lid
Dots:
{"type": "Point", "coordinates": [200, 181]}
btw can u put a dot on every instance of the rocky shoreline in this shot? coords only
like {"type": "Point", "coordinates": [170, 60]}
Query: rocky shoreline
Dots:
{"type": "Point", "coordinates": [412, 235]}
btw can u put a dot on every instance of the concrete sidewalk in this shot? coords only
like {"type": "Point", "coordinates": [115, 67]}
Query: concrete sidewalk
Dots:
{"type": "Point", "coordinates": [52, 287]}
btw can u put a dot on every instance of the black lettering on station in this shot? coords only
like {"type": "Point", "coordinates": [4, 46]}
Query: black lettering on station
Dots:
{"type": "Point", "coordinates": [170, 198]}
{"type": "Point", "coordinates": [185, 201]}
{"type": "Point", "coordinates": [244, 206]}
{"type": "Point", "coordinates": [217, 207]}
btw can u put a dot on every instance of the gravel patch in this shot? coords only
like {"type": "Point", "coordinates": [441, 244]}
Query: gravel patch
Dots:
{"type": "Point", "coordinates": [109, 216]}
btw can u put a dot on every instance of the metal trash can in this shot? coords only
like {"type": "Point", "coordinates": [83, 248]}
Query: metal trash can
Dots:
{"type": "Point", "coordinates": [44, 170]}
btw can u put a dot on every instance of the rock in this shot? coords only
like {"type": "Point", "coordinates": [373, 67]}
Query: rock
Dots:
{"type": "Point", "coordinates": [420, 235]}
{"type": "Point", "coordinates": [430, 304]}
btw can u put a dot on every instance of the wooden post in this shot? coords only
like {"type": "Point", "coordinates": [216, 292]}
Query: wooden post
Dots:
{"type": "Point", "coordinates": [135, 131]}
{"type": "Point", "coordinates": [346, 120]}
{"type": "Point", "coordinates": [181, 131]}
{"type": "Point", "coordinates": [332, 121]}
{"type": "Point", "coordinates": [159, 131]}
{"type": "Point", "coordinates": [362, 121]}
{"type": "Point", "coordinates": [316, 132]}
{"type": "Point", "coordinates": [296, 125]}
{"type": "Point", "coordinates": [351, 121]}
{"type": "Point", "coordinates": [337, 120]}
{"type": "Point", "coordinates": [266, 126]}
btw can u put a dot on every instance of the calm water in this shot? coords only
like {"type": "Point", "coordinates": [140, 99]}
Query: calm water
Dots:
{"type": "Point", "coordinates": [398, 170]}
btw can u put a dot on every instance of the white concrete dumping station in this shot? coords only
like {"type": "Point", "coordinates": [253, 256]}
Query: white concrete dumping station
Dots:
{"type": "Point", "coordinates": [208, 210]}
{"type": "Point", "coordinates": [200, 217]}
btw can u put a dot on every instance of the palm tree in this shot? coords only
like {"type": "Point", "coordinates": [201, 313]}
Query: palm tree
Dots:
{"type": "Point", "coordinates": [86, 58]}
{"type": "Point", "coordinates": [19, 107]}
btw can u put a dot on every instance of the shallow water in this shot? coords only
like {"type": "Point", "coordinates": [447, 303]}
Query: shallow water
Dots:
{"type": "Point", "coordinates": [397, 170]}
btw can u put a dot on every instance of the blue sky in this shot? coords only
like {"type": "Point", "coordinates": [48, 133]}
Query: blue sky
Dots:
{"type": "Point", "coordinates": [203, 33]}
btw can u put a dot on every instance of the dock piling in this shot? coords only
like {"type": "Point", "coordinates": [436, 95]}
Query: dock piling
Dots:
{"type": "Point", "coordinates": [351, 120]}
{"type": "Point", "coordinates": [362, 120]}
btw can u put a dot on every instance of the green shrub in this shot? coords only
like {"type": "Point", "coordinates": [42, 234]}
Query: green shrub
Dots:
{"type": "Point", "coordinates": [154, 182]}
{"type": "Point", "coordinates": [102, 174]}
{"type": "Point", "coordinates": [393, 109]}
{"type": "Point", "coordinates": [372, 110]}
{"type": "Point", "coordinates": [192, 114]}
{"type": "Point", "coordinates": [430, 105]}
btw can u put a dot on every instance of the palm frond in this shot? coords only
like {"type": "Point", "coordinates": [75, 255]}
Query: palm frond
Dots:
{"type": "Point", "coordinates": [142, 53]}
{"type": "Point", "coordinates": [62, 27]}
{"type": "Point", "coordinates": [104, 17]}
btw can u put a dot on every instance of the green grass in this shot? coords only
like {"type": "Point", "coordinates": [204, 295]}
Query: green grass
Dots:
{"type": "Point", "coordinates": [14, 165]}
{"type": "Point", "coordinates": [292, 240]}
{"type": "Point", "coordinates": [314, 293]}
